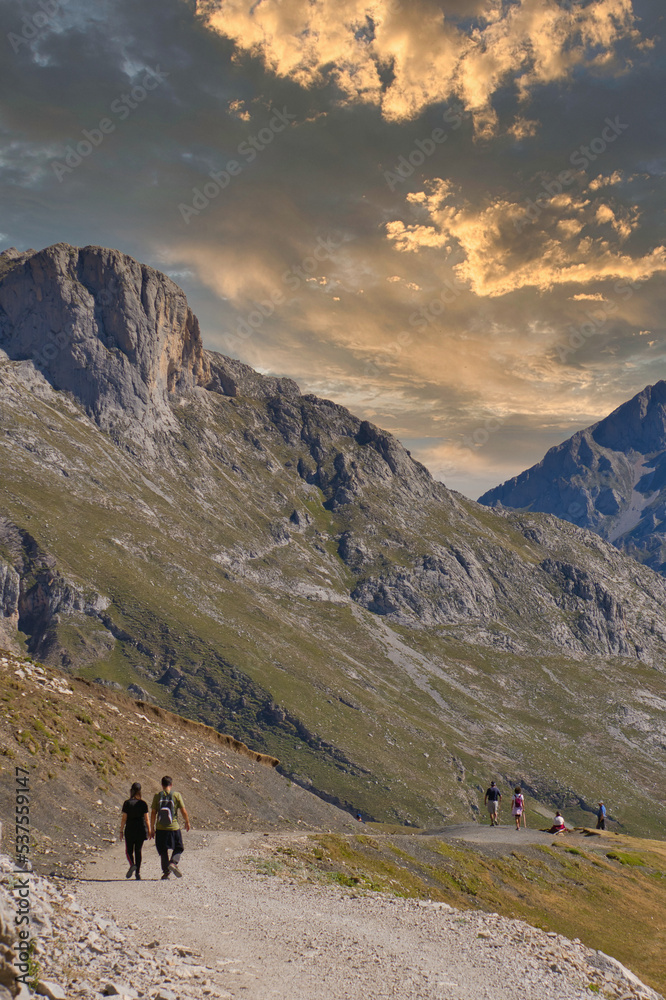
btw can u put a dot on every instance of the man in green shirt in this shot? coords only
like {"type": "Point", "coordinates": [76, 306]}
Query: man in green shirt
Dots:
{"type": "Point", "coordinates": [168, 837]}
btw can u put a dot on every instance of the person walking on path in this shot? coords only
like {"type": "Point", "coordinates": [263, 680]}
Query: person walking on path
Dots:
{"type": "Point", "coordinates": [601, 817]}
{"type": "Point", "coordinates": [135, 828]}
{"type": "Point", "coordinates": [517, 805]}
{"type": "Point", "coordinates": [166, 828]}
{"type": "Point", "coordinates": [492, 800]}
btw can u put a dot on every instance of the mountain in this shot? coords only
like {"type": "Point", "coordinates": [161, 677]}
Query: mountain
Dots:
{"type": "Point", "coordinates": [610, 478]}
{"type": "Point", "coordinates": [177, 526]}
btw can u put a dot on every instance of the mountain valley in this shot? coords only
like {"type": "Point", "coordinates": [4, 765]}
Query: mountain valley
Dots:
{"type": "Point", "coordinates": [213, 542]}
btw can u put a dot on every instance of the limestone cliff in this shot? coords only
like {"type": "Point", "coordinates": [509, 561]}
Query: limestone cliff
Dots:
{"type": "Point", "coordinates": [116, 334]}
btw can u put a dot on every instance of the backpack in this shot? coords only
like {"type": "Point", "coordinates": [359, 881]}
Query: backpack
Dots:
{"type": "Point", "coordinates": [519, 801]}
{"type": "Point", "coordinates": [167, 810]}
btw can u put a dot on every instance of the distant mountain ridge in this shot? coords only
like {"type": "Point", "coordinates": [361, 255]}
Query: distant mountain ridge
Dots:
{"type": "Point", "coordinates": [609, 478]}
{"type": "Point", "coordinates": [268, 563]}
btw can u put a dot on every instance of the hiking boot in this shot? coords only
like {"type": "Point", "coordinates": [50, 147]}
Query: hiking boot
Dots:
{"type": "Point", "coordinates": [165, 876]}
{"type": "Point", "coordinates": [130, 871]}
{"type": "Point", "coordinates": [174, 868]}
{"type": "Point", "coordinates": [137, 876]}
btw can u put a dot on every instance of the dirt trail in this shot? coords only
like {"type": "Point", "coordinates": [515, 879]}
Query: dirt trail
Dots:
{"type": "Point", "coordinates": [505, 838]}
{"type": "Point", "coordinates": [264, 937]}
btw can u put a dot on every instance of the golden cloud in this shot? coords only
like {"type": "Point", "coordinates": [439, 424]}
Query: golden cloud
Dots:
{"type": "Point", "coordinates": [504, 248]}
{"type": "Point", "coordinates": [601, 181]}
{"type": "Point", "coordinates": [354, 42]}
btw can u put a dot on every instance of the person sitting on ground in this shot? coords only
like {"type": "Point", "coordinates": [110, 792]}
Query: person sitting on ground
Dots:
{"type": "Point", "coordinates": [492, 800]}
{"type": "Point", "coordinates": [135, 828]}
{"type": "Point", "coordinates": [517, 805]}
{"type": "Point", "coordinates": [559, 826]}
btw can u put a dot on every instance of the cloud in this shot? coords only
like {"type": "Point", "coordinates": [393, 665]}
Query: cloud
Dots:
{"type": "Point", "coordinates": [504, 249]}
{"type": "Point", "coordinates": [406, 57]}
{"type": "Point", "coordinates": [437, 341]}
{"type": "Point", "coordinates": [601, 181]}
{"type": "Point", "coordinates": [524, 128]}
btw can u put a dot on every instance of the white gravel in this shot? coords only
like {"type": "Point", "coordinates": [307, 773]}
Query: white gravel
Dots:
{"type": "Point", "coordinates": [224, 931]}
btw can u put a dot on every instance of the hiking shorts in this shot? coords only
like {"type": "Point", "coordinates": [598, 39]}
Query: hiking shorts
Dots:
{"type": "Point", "coordinates": [169, 840]}
{"type": "Point", "coordinates": [493, 806]}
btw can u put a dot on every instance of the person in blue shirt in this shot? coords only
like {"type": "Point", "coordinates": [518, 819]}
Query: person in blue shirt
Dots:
{"type": "Point", "coordinates": [601, 817]}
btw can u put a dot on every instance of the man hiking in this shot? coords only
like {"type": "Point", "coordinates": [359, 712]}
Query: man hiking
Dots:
{"type": "Point", "coordinates": [492, 800]}
{"type": "Point", "coordinates": [601, 817]}
{"type": "Point", "coordinates": [164, 822]}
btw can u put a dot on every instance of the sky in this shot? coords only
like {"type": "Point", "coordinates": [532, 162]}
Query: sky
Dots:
{"type": "Point", "coordinates": [447, 215]}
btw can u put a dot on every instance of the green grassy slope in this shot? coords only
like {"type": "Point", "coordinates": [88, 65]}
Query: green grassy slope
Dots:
{"type": "Point", "coordinates": [223, 608]}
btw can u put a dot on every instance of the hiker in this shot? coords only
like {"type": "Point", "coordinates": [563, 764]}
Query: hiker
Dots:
{"type": "Point", "coordinates": [559, 826]}
{"type": "Point", "coordinates": [492, 800]}
{"type": "Point", "coordinates": [135, 828]}
{"type": "Point", "coordinates": [166, 828]}
{"type": "Point", "coordinates": [517, 805]}
{"type": "Point", "coordinates": [601, 817]}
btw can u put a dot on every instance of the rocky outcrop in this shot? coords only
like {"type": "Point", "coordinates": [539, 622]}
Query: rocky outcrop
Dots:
{"type": "Point", "coordinates": [599, 614]}
{"type": "Point", "coordinates": [118, 335]}
{"type": "Point", "coordinates": [10, 588]}
{"type": "Point", "coordinates": [8, 941]}
{"type": "Point", "coordinates": [610, 478]}
{"type": "Point", "coordinates": [442, 588]}
{"type": "Point", "coordinates": [232, 378]}
{"type": "Point", "coordinates": [346, 455]}
{"type": "Point", "coordinates": [35, 597]}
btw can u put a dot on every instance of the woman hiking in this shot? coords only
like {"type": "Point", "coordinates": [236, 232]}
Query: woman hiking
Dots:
{"type": "Point", "coordinates": [517, 806]}
{"type": "Point", "coordinates": [135, 827]}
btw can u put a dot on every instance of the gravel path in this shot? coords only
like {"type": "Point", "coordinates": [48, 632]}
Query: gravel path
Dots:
{"type": "Point", "coordinates": [224, 931]}
{"type": "Point", "coordinates": [503, 839]}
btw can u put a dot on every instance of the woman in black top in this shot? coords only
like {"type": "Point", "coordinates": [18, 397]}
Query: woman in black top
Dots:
{"type": "Point", "coordinates": [134, 826]}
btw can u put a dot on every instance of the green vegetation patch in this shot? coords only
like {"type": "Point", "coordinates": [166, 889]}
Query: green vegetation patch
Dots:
{"type": "Point", "coordinates": [633, 860]}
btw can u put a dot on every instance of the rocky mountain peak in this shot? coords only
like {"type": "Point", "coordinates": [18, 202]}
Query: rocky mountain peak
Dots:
{"type": "Point", "coordinates": [115, 333]}
{"type": "Point", "coordinates": [609, 477]}
{"type": "Point", "coordinates": [638, 425]}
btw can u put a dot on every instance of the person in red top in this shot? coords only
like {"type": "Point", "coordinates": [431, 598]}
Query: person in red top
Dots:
{"type": "Point", "coordinates": [517, 806]}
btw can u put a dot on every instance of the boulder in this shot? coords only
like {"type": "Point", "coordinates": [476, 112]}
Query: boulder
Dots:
{"type": "Point", "coordinates": [46, 988]}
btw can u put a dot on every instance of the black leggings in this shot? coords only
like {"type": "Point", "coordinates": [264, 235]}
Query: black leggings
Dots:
{"type": "Point", "coordinates": [133, 847]}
